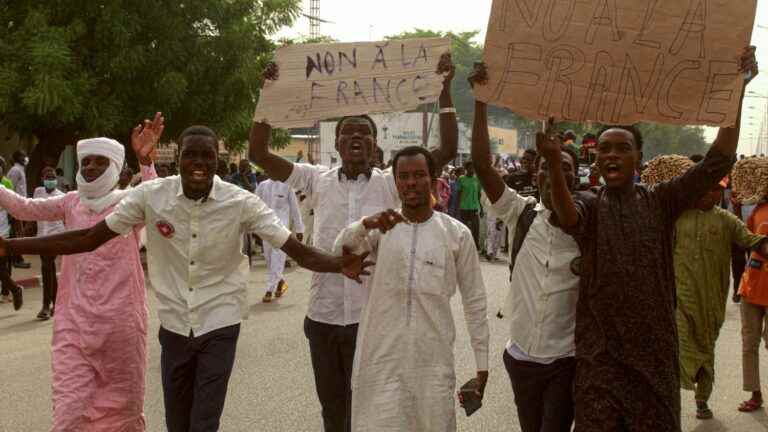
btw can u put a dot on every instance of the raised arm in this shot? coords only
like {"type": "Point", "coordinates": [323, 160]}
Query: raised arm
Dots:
{"type": "Point", "coordinates": [549, 146]}
{"type": "Point", "coordinates": [449, 126]}
{"type": "Point", "coordinates": [728, 138]}
{"type": "Point", "coordinates": [492, 183]}
{"type": "Point", "coordinates": [274, 166]}
{"type": "Point", "coordinates": [68, 243]}
{"type": "Point", "coordinates": [144, 139]}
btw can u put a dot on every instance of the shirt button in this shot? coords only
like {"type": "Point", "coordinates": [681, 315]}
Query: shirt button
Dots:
{"type": "Point", "coordinates": [191, 289]}
{"type": "Point", "coordinates": [194, 235]}
{"type": "Point", "coordinates": [191, 263]}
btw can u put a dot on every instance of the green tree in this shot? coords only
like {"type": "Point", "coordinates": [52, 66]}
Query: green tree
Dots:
{"type": "Point", "coordinates": [77, 68]}
{"type": "Point", "coordinates": [670, 139]}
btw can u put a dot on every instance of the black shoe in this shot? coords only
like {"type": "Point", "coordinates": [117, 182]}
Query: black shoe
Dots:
{"type": "Point", "coordinates": [18, 297]}
{"type": "Point", "coordinates": [736, 298]}
{"type": "Point", "coordinates": [22, 265]}
{"type": "Point", "coordinates": [45, 314]}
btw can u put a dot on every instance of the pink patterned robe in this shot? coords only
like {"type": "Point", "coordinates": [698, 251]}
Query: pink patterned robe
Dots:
{"type": "Point", "coordinates": [99, 347]}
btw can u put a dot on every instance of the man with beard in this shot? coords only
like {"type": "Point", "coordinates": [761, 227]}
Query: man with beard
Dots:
{"type": "Point", "coordinates": [543, 289]}
{"type": "Point", "coordinates": [340, 196]}
{"type": "Point", "coordinates": [195, 225]}
{"type": "Point", "coordinates": [403, 377]}
{"type": "Point", "coordinates": [627, 372]}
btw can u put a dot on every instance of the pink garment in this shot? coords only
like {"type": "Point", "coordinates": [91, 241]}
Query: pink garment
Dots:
{"type": "Point", "coordinates": [99, 347]}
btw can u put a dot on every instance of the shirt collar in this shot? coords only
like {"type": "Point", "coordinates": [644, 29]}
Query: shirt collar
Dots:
{"type": "Point", "coordinates": [213, 194]}
{"type": "Point", "coordinates": [343, 176]}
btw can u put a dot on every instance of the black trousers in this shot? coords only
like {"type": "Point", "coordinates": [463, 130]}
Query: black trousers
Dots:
{"type": "Point", "coordinates": [5, 266]}
{"type": "Point", "coordinates": [543, 393]}
{"type": "Point", "coordinates": [195, 373]}
{"type": "Point", "coordinates": [333, 350]}
{"type": "Point", "coordinates": [471, 218]}
{"type": "Point", "coordinates": [50, 283]}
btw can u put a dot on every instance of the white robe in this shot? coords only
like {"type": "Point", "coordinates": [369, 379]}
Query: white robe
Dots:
{"type": "Point", "coordinates": [279, 197]}
{"type": "Point", "coordinates": [403, 377]}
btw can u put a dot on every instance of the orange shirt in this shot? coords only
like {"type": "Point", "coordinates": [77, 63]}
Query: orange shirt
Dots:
{"type": "Point", "coordinates": [754, 282]}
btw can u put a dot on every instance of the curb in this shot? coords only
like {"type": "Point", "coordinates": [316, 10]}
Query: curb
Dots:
{"type": "Point", "coordinates": [33, 282]}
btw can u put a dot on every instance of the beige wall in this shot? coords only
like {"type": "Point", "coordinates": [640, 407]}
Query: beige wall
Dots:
{"type": "Point", "coordinates": [507, 138]}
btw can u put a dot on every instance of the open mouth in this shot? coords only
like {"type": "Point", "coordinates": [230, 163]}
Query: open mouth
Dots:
{"type": "Point", "coordinates": [198, 175]}
{"type": "Point", "coordinates": [356, 148]}
{"type": "Point", "coordinates": [611, 170]}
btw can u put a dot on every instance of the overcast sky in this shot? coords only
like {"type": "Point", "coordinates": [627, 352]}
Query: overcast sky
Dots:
{"type": "Point", "coordinates": [363, 20]}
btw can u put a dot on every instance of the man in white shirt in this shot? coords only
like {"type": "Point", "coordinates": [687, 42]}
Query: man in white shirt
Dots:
{"type": "Point", "coordinates": [17, 175]}
{"type": "Point", "coordinates": [340, 196]}
{"type": "Point", "coordinates": [404, 376]}
{"type": "Point", "coordinates": [281, 199]}
{"type": "Point", "coordinates": [195, 225]}
{"type": "Point", "coordinates": [541, 305]}
{"type": "Point", "coordinates": [49, 189]}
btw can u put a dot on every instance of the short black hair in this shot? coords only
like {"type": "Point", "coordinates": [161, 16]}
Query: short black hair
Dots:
{"type": "Point", "coordinates": [531, 152]}
{"type": "Point", "coordinates": [415, 151]}
{"type": "Point", "coordinates": [468, 165]}
{"type": "Point", "coordinates": [565, 149]}
{"type": "Point", "coordinates": [18, 155]}
{"type": "Point", "coordinates": [636, 134]}
{"type": "Point", "coordinates": [696, 158]}
{"type": "Point", "coordinates": [203, 131]}
{"type": "Point", "coordinates": [367, 118]}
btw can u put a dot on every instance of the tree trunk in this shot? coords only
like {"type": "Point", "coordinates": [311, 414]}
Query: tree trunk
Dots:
{"type": "Point", "coordinates": [51, 143]}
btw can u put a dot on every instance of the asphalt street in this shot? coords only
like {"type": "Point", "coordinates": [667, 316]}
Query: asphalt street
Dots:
{"type": "Point", "coordinates": [272, 387]}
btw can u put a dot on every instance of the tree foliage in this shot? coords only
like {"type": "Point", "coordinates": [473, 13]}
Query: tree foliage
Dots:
{"type": "Point", "coordinates": [75, 68]}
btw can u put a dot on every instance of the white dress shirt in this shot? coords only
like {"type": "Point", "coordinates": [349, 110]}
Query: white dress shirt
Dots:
{"type": "Point", "coordinates": [45, 228]}
{"type": "Point", "coordinates": [198, 272]}
{"type": "Point", "coordinates": [279, 197]}
{"type": "Point", "coordinates": [541, 304]}
{"type": "Point", "coordinates": [337, 203]}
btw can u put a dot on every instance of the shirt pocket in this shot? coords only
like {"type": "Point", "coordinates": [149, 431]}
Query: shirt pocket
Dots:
{"type": "Point", "coordinates": [431, 267]}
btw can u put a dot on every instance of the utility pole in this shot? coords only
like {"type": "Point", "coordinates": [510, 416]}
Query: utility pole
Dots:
{"type": "Point", "coordinates": [314, 19]}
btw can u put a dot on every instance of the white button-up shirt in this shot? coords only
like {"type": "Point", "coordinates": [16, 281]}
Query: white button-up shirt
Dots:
{"type": "Point", "coordinates": [194, 249]}
{"type": "Point", "coordinates": [541, 304]}
{"type": "Point", "coordinates": [338, 202]}
{"type": "Point", "coordinates": [46, 228]}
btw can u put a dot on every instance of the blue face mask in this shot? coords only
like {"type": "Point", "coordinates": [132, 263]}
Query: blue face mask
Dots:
{"type": "Point", "coordinates": [50, 184]}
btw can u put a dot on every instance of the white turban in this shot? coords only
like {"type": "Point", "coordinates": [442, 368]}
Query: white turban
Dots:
{"type": "Point", "coordinates": [100, 193]}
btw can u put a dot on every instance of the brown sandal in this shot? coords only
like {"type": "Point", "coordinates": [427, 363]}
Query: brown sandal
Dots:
{"type": "Point", "coordinates": [750, 405]}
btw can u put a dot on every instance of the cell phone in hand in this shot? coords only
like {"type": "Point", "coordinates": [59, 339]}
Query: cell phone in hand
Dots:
{"type": "Point", "coordinates": [472, 402]}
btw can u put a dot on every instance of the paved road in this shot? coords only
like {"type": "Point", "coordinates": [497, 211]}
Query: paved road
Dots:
{"type": "Point", "coordinates": [272, 387]}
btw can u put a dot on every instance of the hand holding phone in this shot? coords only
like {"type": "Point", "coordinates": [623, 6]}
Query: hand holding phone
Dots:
{"type": "Point", "coordinates": [470, 397]}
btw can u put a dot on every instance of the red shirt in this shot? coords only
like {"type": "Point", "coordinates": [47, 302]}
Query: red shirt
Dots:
{"type": "Point", "coordinates": [754, 282]}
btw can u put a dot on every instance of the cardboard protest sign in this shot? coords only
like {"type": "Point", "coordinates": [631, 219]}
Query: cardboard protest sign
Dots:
{"type": "Point", "coordinates": [320, 81]}
{"type": "Point", "coordinates": [618, 61]}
